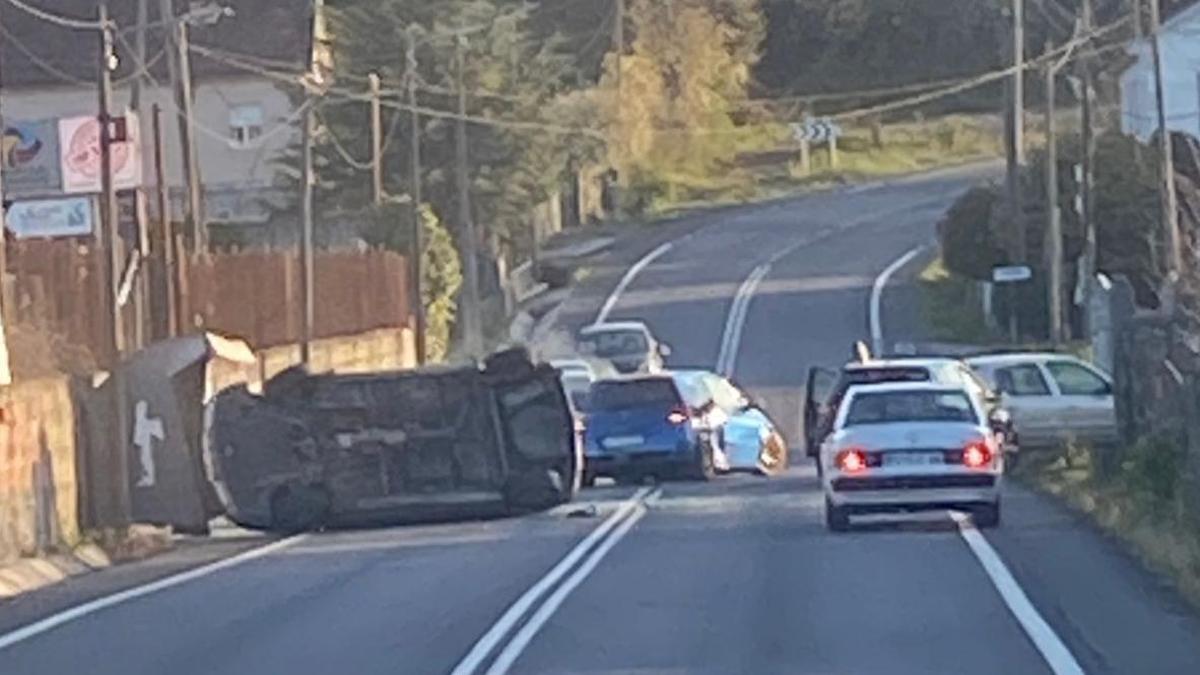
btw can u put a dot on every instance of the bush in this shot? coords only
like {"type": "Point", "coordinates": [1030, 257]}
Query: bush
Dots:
{"type": "Point", "coordinates": [1151, 471]}
{"type": "Point", "coordinates": [970, 248]}
{"type": "Point", "coordinates": [389, 226]}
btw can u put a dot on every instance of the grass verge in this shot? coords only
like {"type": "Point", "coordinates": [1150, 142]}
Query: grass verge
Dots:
{"type": "Point", "coordinates": [1141, 504]}
{"type": "Point", "coordinates": [951, 306]}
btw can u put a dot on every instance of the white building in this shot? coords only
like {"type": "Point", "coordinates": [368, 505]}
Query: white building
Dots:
{"type": "Point", "coordinates": [1180, 48]}
{"type": "Point", "coordinates": [244, 120]}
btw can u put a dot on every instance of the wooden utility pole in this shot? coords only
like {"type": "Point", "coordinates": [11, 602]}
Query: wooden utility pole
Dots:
{"type": "Point", "coordinates": [1054, 253]}
{"type": "Point", "coordinates": [179, 62]}
{"type": "Point", "coordinates": [1085, 204]}
{"type": "Point", "coordinates": [417, 234]}
{"type": "Point", "coordinates": [308, 312]}
{"type": "Point", "coordinates": [109, 224]}
{"type": "Point", "coordinates": [168, 230]}
{"type": "Point", "coordinates": [618, 108]}
{"type": "Point", "coordinates": [1168, 197]}
{"type": "Point", "coordinates": [472, 330]}
{"type": "Point", "coordinates": [376, 140]}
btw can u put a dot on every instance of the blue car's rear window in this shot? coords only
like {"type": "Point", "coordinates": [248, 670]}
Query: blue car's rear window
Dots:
{"type": "Point", "coordinates": [633, 394]}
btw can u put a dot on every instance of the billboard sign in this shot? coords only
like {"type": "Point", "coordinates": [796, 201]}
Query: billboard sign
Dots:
{"type": "Point", "coordinates": [67, 217]}
{"type": "Point", "coordinates": [79, 142]}
{"type": "Point", "coordinates": [29, 158]}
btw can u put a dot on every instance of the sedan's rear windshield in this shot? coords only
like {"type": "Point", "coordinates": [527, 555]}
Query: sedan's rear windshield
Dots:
{"type": "Point", "coordinates": [614, 343]}
{"type": "Point", "coordinates": [656, 393]}
{"type": "Point", "coordinates": [909, 406]}
{"type": "Point", "coordinates": [893, 374]}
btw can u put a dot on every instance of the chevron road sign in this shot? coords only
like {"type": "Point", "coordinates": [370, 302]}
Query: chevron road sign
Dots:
{"type": "Point", "coordinates": [822, 129]}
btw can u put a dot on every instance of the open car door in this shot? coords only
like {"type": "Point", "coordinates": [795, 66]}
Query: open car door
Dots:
{"type": "Point", "coordinates": [817, 390]}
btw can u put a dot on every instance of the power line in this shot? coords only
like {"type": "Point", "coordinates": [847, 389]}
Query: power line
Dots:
{"type": "Point", "coordinates": [341, 149]}
{"type": "Point", "coordinates": [57, 19]}
{"type": "Point", "coordinates": [38, 61]}
{"type": "Point", "coordinates": [347, 95]}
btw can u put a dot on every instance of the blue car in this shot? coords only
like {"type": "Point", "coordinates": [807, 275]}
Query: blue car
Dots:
{"type": "Point", "coordinates": [675, 425]}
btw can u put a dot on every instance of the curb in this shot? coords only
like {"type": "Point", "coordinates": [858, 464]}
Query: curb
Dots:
{"type": "Point", "coordinates": [30, 574]}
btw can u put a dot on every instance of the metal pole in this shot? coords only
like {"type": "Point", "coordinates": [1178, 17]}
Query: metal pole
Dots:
{"type": "Point", "coordinates": [306, 237]}
{"type": "Point", "coordinates": [416, 253]}
{"type": "Point", "coordinates": [135, 96]}
{"type": "Point", "coordinates": [1054, 254]}
{"type": "Point", "coordinates": [376, 140]}
{"type": "Point", "coordinates": [473, 339]}
{"type": "Point", "coordinates": [109, 223]}
{"type": "Point", "coordinates": [168, 229]}
{"type": "Point", "coordinates": [1018, 130]}
{"type": "Point", "coordinates": [1170, 204]}
{"type": "Point", "coordinates": [179, 61]}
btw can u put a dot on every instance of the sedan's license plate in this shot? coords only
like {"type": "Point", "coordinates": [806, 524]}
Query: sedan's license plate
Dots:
{"type": "Point", "coordinates": [898, 459]}
{"type": "Point", "coordinates": [623, 441]}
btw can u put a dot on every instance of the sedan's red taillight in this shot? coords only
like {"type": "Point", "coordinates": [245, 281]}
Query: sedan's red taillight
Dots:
{"type": "Point", "coordinates": [977, 455]}
{"type": "Point", "coordinates": [678, 417]}
{"type": "Point", "coordinates": [852, 461]}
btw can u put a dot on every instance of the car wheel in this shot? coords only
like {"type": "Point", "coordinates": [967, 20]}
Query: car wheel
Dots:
{"type": "Point", "coordinates": [705, 468]}
{"type": "Point", "coordinates": [986, 516]}
{"type": "Point", "coordinates": [299, 508]}
{"type": "Point", "coordinates": [837, 518]}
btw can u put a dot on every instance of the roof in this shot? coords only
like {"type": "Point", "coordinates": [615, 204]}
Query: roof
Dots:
{"type": "Point", "coordinates": [1014, 357]}
{"type": "Point", "coordinates": [35, 52]}
{"type": "Point", "coordinates": [901, 362]}
{"type": "Point", "coordinates": [613, 325]}
{"type": "Point", "coordinates": [897, 387]}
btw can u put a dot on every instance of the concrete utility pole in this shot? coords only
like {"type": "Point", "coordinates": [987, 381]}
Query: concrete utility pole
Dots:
{"type": "Point", "coordinates": [417, 235]}
{"type": "Point", "coordinates": [1017, 150]}
{"type": "Point", "coordinates": [1170, 203]}
{"type": "Point", "coordinates": [1054, 253]}
{"type": "Point", "coordinates": [179, 61]}
{"type": "Point", "coordinates": [376, 140]}
{"type": "Point", "coordinates": [109, 223]}
{"type": "Point", "coordinates": [306, 236]}
{"type": "Point", "coordinates": [472, 330]}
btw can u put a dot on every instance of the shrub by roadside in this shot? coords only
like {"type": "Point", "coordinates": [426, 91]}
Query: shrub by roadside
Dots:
{"type": "Point", "coordinates": [1141, 503]}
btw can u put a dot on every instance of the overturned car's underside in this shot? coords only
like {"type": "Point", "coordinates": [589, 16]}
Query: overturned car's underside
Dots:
{"type": "Point", "coordinates": [318, 450]}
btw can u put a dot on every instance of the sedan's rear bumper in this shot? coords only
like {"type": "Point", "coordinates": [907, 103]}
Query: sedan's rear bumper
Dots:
{"type": "Point", "coordinates": [909, 491]}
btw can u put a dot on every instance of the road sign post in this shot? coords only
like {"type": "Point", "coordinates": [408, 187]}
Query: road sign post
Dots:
{"type": "Point", "coordinates": [1010, 276]}
{"type": "Point", "coordinates": [818, 130]}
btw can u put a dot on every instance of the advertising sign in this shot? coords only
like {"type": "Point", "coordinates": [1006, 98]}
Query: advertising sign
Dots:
{"type": "Point", "coordinates": [67, 217]}
{"type": "Point", "coordinates": [79, 142]}
{"type": "Point", "coordinates": [29, 158]}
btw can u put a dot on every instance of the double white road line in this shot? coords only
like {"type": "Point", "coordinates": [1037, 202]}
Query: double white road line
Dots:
{"type": "Point", "coordinates": [517, 627]}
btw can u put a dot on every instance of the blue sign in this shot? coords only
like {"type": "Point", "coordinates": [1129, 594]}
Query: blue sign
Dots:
{"type": "Point", "coordinates": [29, 159]}
{"type": "Point", "coordinates": [69, 217]}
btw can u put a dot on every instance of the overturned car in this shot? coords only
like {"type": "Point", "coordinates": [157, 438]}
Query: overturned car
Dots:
{"type": "Point", "coordinates": [435, 443]}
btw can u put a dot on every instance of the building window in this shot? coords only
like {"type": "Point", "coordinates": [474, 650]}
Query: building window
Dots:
{"type": "Point", "coordinates": [245, 124]}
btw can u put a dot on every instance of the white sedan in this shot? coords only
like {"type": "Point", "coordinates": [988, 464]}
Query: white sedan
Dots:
{"type": "Point", "coordinates": [911, 447]}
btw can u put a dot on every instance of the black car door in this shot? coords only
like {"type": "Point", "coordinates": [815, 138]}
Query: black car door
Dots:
{"type": "Point", "coordinates": [817, 390]}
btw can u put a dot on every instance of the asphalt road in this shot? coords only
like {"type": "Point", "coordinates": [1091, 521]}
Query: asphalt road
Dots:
{"type": "Point", "coordinates": [735, 576]}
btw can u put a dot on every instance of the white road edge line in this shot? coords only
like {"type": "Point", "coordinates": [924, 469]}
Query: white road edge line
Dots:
{"type": "Point", "coordinates": [78, 612]}
{"type": "Point", "coordinates": [1055, 653]}
{"type": "Point", "coordinates": [513, 615]}
{"type": "Point", "coordinates": [611, 303]}
{"type": "Point", "coordinates": [881, 282]}
{"type": "Point", "coordinates": [512, 651]}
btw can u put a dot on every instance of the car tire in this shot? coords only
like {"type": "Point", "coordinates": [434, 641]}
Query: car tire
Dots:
{"type": "Point", "coordinates": [837, 518]}
{"type": "Point", "coordinates": [299, 508]}
{"type": "Point", "coordinates": [986, 516]}
{"type": "Point", "coordinates": [705, 468]}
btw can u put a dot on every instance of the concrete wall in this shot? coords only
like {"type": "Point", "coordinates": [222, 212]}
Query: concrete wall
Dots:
{"type": "Point", "coordinates": [38, 475]}
{"type": "Point", "coordinates": [388, 349]}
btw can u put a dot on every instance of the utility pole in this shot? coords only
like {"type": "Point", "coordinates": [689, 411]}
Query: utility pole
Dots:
{"type": "Point", "coordinates": [306, 236]}
{"type": "Point", "coordinates": [1054, 253]}
{"type": "Point", "coordinates": [619, 50]}
{"type": "Point", "coordinates": [109, 223]}
{"type": "Point", "coordinates": [1086, 170]}
{"type": "Point", "coordinates": [472, 337]}
{"type": "Point", "coordinates": [376, 140]}
{"type": "Point", "coordinates": [1170, 205]}
{"type": "Point", "coordinates": [135, 95]}
{"type": "Point", "coordinates": [168, 229]}
{"type": "Point", "coordinates": [179, 62]}
{"type": "Point", "coordinates": [1017, 160]}
{"type": "Point", "coordinates": [417, 236]}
